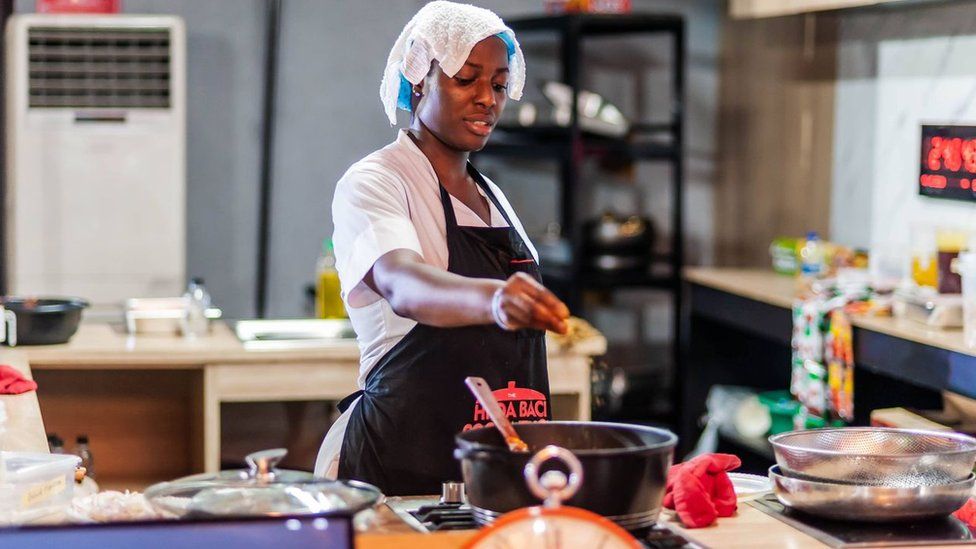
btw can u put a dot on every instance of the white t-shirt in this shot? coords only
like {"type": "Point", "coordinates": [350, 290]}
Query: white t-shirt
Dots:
{"type": "Point", "coordinates": [387, 201]}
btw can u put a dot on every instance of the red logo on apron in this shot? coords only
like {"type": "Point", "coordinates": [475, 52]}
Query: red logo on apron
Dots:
{"type": "Point", "coordinates": [518, 403]}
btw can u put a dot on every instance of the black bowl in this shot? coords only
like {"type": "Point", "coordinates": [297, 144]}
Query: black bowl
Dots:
{"type": "Point", "coordinates": [45, 320]}
{"type": "Point", "coordinates": [625, 468]}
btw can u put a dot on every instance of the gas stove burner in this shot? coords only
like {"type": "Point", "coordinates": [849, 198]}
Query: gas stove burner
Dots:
{"type": "Point", "coordinates": [636, 522]}
{"type": "Point", "coordinates": [660, 537]}
{"type": "Point", "coordinates": [451, 513]}
{"type": "Point", "coordinates": [445, 516]}
{"type": "Point", "coordinates": [840, 534]}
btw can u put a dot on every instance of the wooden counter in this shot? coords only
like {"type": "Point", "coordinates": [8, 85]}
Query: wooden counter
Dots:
{"type": "Point", "coordinates": [780, 291]}
{"type": "Point", "coordinates": [101, 346]}
{"type": "Point", "coordinates": [151, 404]}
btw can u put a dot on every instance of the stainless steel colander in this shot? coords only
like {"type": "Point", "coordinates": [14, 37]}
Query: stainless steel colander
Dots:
{"type": "Point", "coordinates": [876, 456]}
{"type": "Point", "coordinates": [869, 503]}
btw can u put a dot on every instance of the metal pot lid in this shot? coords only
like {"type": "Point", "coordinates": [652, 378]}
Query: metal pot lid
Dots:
{"type": "Point", "coordinates": [261, 489]}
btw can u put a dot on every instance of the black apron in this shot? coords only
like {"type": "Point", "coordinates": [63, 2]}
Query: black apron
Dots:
{"type": "Point", "coordinates": [400, 436]}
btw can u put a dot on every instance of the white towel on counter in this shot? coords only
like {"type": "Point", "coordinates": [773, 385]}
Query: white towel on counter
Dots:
{"type": "Point", "coordinates": [446, 32]}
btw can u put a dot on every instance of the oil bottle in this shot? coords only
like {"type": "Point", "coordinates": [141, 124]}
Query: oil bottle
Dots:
{"type": "Point", "coordinates": [328, 298]}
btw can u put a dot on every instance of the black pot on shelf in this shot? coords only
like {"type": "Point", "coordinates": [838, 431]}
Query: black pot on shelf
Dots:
{"type": "Point", "coordinates": [614, 243]}
{"type": "Point", "coordinates": [45, 320]}
{"type": "Point", "coordinates": [625, 468]}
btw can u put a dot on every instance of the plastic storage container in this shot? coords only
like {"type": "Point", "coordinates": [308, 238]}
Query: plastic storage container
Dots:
{"type": "Point", "coordinates": [34, 485]}
{"type": "Point", "coordinates": [965, 266]}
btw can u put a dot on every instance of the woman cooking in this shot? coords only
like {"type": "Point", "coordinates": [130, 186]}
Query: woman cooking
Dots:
{"type": "Point", "coordinates": [438, 276]}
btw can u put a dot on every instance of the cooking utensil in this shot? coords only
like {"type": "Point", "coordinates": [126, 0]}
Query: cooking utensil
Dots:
{"type": "Point", "coordinates": [612, 231]}
{"type": "Point", "coordinates": [261, 490]}
{"type": "Point", "coordinates": [596, 114]}
{"type": "Point", "coordinates": [483, 393]}
{"type": "Point", "coordinates": [45, 320]}
{"type": "Point", "coordinates": [876, 456]}
{"type": "Point", "coordinates": [626, 467]}
{"type": "Point", "coordinates": [854, 502]}
{"type": "Point", "coordinates": [616, 243]}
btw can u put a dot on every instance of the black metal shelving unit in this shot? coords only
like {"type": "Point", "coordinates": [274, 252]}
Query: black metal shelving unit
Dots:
{"type": "Point", "coordinates": [570, 146]}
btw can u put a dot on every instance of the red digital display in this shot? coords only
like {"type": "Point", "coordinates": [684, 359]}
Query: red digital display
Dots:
{"type": "Point", "coordinates": [948, 163]}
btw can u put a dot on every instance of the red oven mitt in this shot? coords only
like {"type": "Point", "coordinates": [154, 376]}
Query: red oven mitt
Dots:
{"type": "Point", "coordinates": [700, 489]}
{"type": "Point", "coordinates": [967, 513]}
{"type": "Point", "coordinates": [12, 382]}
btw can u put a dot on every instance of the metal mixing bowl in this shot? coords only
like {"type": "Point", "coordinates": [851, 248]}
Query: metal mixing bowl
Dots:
{"type": "Point", "coordinates": [876, 456]}
{"type": "Point", "coordinates": [869, 503]}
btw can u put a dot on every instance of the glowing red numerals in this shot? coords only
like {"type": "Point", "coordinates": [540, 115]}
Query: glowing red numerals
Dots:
{"type": "Point", "coordinates": [934, 181]}
{"type": "Point", "coordinates": [935, 153]}
{"type": "Point", "coordinates": [969, 155]}
{"type": "Point", "coordinates": [954, 154]}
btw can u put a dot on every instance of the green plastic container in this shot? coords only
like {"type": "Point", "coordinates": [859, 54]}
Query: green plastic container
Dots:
{"type": "Point", "coordinates": [782, 408]}
{"type": "Point", "coordinates": [784, 254]}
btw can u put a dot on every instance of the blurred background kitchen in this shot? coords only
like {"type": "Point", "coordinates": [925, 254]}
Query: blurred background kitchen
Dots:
{"type": "Point", "coordinates": [707, 131]}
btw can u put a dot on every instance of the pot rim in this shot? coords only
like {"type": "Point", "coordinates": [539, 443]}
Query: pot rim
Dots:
{"type": "Point", "coordinates": [671, 439]}
{"type": "Point", "coordinates": [65, 304]}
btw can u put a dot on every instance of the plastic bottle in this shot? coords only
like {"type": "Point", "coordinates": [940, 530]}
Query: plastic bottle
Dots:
{"type": "Point", "coordinates": [83, 451]}
{"type": "Point", "coordinates": [328, 296]}
{"type": "Point", "coordinates": [55, 444]}
{"type": "Point", "coordinates": [811, 257]}
{"type": "Point", "coordinates": [198, 301]}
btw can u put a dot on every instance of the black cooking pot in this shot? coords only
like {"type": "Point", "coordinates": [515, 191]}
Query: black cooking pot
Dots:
{"type": "Point", "coordinates": [625, 469]}
{"type": "Point", "coordinates": [45, 320]}
{"type": "Point", "coordinates": [615, 243]}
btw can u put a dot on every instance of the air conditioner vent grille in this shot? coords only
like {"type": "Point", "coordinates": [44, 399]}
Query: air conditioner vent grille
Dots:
{"type": "Point", "coordinates": [99, 67]}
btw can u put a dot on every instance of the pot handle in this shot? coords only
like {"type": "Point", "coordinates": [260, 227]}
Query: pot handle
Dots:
{"type": "Point", "coordinates": [262, 464]}
{"type": "Point", "coordinates": [471, 453]}
{"type": "Point", "coordinates": [553, 487]}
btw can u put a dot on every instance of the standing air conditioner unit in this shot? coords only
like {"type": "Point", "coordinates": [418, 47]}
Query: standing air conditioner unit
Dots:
{"type": "Point", "coordinates": [96, 156]}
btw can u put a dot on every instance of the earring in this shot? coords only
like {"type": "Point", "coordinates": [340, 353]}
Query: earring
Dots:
{"type": "Point", "coordinates": [417, 93]}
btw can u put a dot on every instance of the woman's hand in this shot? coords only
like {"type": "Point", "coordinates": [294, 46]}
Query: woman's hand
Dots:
{"type": "Point", "coordinates": [436, 297]}
{"type": "Point", "coordinates": [524, 303]}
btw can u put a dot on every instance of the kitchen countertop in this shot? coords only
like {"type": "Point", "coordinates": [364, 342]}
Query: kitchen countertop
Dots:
{"type": "Point", "coordinates": [780, 290]}
{"type": "Point", "coordinates": [749, 528]}
{"type": "Point", "coordinates": [107, 345]}
{"type": "Point", "coordinates": [103, 345]}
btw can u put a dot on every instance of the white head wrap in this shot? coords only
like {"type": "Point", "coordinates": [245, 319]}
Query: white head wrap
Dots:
{"type": "Point", "coordinates": [446, 32]}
